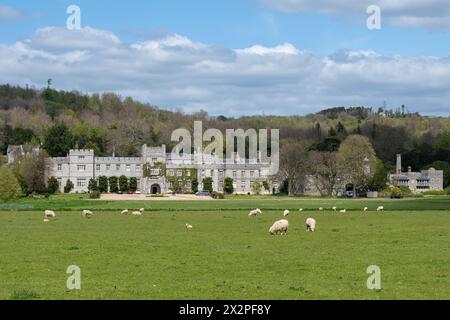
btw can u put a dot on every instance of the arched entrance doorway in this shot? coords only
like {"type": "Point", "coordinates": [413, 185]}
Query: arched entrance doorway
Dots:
{"type": "Point", "coordinates": [155, 189]}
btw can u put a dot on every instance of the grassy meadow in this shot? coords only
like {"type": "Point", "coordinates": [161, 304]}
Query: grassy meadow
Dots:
{"type": "Point", "coordinates": [227, 255]}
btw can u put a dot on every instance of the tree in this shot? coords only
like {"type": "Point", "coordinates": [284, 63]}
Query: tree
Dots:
{"type": "Point", "coordinates": [380, 178]}
{"type": "Point", "coordinates": [9, 186]}
{"type": "Point", "coordinates": [123, 184]}
{"type": "Point", "coordinates": [208, 184]}
{"type": "Point", "coordinates": [256, 187]}
{"type": "Point", "coordinates": [356, 160]}
{"type": "Point", "coordinates": [30, 170]}
{"type": "Point", "coordinates": [93, 185]}
{"type": "Point", "coordinates": [133, 184]}
{"type": "Point", "coordinates": [58, 140]}
{"type": "Point", "coordinates": [52, 185]}
{"type": "Point", "coordinates": [325, 172]}
{"type": "Point", "coordinates": [228, 185]}
{"type": "Point", "coordinates": [103, 184]}
{"type": "Point", "coordinates": [113, 184]}
{"type": "Point", "coordinates": [194, 185]}
{"type": "Point", "coordinates": [294, 166]}
{"type": "Point", "coordinates": [69, 186]}
{"type": "Point", "coordinates": [266, 185]}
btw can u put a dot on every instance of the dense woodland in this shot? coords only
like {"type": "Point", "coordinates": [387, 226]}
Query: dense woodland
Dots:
{"type": "Point", "coordinates": [60, 120]}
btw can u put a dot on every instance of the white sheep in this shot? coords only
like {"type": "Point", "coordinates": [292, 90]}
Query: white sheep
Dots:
{"type": "Point", "coordinates": [141, 210]}
{"type": "Point", "coordinates": [320, 209]}
{"type": "Point", "coordinates": [125, 211]}
{"type": "Point", "coordinates": [49, 214]}
{"type": "Point", "coordinates": [286, 213]}
{"type": "Point", "coordinates": [87, 213]}
{"type": "Point", "coordinates": [300, 210]}
{"type": "Point", "coordinates": [380, 209]}
{"type": "Point", "coordinates": [46, 220]}
{"type": "Point", "coordinates": [188, 226]}
{"type": "Point", "coordinates": [254, 213]}
{"type": "Point", "coordinates": [343, 211]}
{"type": "Point", "coordinates": [366, 209]}
{"type": "Point", "coordinates": [137, 213]}
{"type": "Point", "coordinates": [334, 209]}
{"type": "Point", "coordinates": [310, 225]}
{"type": "Point", "coordinates": [280, 226]}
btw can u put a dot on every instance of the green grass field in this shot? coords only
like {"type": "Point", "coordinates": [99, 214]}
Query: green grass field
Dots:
{"type": "Point", "coordinates": [227, 255]}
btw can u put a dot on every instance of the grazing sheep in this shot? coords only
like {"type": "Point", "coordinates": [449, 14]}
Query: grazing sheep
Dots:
{"type": "Point", "coordinates": [280, 226]}
{"type": "Point", "coordinates": [334, 209]}
{"type": "Point", "coordinates": [87, 213]}
{"type": "Point", "coordinates": [137, 213]}
{"type": "Point", "coordinates": [380, 209]}
{"type": "Point", "coordinates": [254, 213]}
{"type": "Point", "coordinates": [320, 209]}
{"type": "Point", "coordinates": [366, 209]}
{"type": "Point", "coordinates": [46, 220]}
{"type": "Point", "coordinates": [49, 214]}
{"type": "Point", "coordinates": [300, 210]}
{"type": "Point", "coordinates": [188, 226]}
{"type": "Point", "coordinates": [310, 225]}
{"type": "Point", "coordinates": [141, 210]}
{"type": "Point", "coordinates": [286, 213]}
{"type": "Point", "coordinates": [124, 211]}
{"type": "Point", "coordinates": [343, 211]}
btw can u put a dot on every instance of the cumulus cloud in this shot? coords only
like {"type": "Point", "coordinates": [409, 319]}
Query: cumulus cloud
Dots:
{"type": "Point", "coordinates": [176, 72]}
{"type": "Point", "coordinates": [9, 14]}
{"type": "Point", "coordinates": [431, 14]}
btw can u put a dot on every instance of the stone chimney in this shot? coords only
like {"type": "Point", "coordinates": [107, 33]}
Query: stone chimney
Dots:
{"type": "Point", "coordinates": [399, 164]}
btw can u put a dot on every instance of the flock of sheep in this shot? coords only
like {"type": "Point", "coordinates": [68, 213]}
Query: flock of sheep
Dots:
{"type": "Point", "coordinates": [281, 226]}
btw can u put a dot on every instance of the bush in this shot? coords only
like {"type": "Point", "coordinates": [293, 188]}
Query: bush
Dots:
{"type": "Point", "coordinates": [208, 184]}
{"type": "Point", "coordinates": [194, 185]}
{"type": "Point", "coordinates": [103, 184]}
{"type": "Point", "coordinates": [217, 195]}
{"type": "Point", "coordinates": [94, 194]}
{"type": "Point", "coordinates": [52, 185]}
{"type": "Point", "coordinates": [113, 184]}
{"type": "Point", "coordinates": [435, 193]}
{"type": "Point", "coordinates": [133, 184]}
{"type": "Point", "coordinates": [228, 186]}
{"type": "Point", "coordinates": [68, 187]}
{"type": "Point", "coordinates": [123, 183]}
{"type": "Point", "coordinates": [9, 186]}
{"type": "Point", "coordinates": [93, 185]}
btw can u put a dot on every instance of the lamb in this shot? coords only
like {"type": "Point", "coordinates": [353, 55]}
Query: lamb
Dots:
{"type": "Point", "coordinates": [343, 211]}
{"type": "Point", "coordinates": [280, 226]}
{"type": "Point", "coordinates": [310, 225]}
{"type": "Point", "coordinates": [380, 209]}
{"type": "Point", "coordinates": [188, 226]}
{"type": "Point", "coordinates": [334, 209]}
{"type": "Point", "coordinates": [49, 214]}
{"type": "Point", "coordinates": [254, 213]}
{"type": "Point", "coordinates": [366, 209]}
{"type": "Point", "coordinates": [87, 213]}
{"type": "Point", "coordinates": [300, 210]}
{"type": "Point", "coordinates": [141, 210]}
{"type": "Point", "coordinates": [124, 211]}
{"type": "Point", "coordinates": [286, 213]}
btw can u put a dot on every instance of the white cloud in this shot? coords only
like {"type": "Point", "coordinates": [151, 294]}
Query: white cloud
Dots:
{"type": "Point", "coordinates": [176, 72]}
{"type": "Point", "coordinates": [9, 14]}
{"type": "Point", "coordinates": [431, 14]}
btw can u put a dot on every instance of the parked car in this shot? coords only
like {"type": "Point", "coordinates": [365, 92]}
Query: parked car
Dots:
{"type": "Point", "coordinates": [349, 194]}
{"type": "Point", "coordinates": [203, 193]}
{"type": "Point", "coordinates": [396, 196]}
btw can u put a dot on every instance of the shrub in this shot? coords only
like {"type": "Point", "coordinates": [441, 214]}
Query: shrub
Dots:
{"type": "Point", "coordinates": [217, 195]}
{"type": "Point", "coordinates": [52, 185]}
{"type": "Point", "coordinates": [123, 183]}
{"type": "Point", "coordinates": [68, 187]}
{"type": "Point", "coordinates": [93, 185]}
{"type": "Point", "coordinates": [228, 186]}
{"type": "Point", "coordinates": [9, 186]}
{"type": "Point", "coordinates": [133, 184]}
{"type": "Point", "coordinates": [208, 184]}
{"type": "Point", "coordinates": [435, 193]}
{"type": "Point", "coordinates": [94, 194]}
{"type": "Point", "coordinates": [103, 184]}
{"type": "Point", "coordinates": [194, 185]}
{"type": "Point", "coordinates": [113, 184]}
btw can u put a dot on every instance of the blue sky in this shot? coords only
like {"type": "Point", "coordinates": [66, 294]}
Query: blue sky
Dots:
{"type": "Point", "coordinates": [319, 42]}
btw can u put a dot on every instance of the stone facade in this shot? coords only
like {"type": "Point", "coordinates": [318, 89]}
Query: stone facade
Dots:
{"type": "Point", "coordinates": [157, 172]}
{"type": "Point", "coordinates": [425, 180]}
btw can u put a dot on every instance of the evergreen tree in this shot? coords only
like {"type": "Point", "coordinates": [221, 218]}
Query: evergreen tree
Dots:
{"type": "Point", "coordinates": [228, 187]}
{"type": "Point", "coordinates": [93, 185]}
{"type": "Point", "coordinates": [103, 184]}
{"type": "Point", "coordinates": [133, 184]}
{"type": "Point", "coordinates": [52, 185]}
{"type": "Point", "coordinates": [58, 140]}
{"type": "Point", "coordinates": [123, 184]}
{"type": "Point", "coordinates": [113, 184]}
{"type": "Point", "coordinates": [208, 184]}
{"type": "Point", "coordinates": [68, 187]}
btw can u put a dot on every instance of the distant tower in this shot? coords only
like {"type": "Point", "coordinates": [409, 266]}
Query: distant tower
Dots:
{"type": "Point", "coordinates": [399, 164]}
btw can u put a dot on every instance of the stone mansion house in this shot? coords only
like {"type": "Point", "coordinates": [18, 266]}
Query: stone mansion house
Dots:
{"type": "Point", "coordinates": [156, 171]}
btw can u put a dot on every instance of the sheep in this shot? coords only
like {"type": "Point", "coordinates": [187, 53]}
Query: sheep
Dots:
{"type": "Point", "coordinates": [87, 213]}
{"type": "Point", "coordinates": [141, 210]}
{"type": "Point", "coordinates": [380, 209]}
{"type": "Point", "coordinates": [366, 209]}
{"type": "Point", "coordinates": [343, 211]}
{"type": "Point", "coordinates": [124, 211]}
{"type": "Point", "coordinates": [310, 225]}
{"type": "Point", "coordinates": [137, 213]}
{"type": "Point", "coordinates": [334, 209]}
{"type": "Point", "coordinates": [46, 220]}
{"type": "Point", "coordinates": [280, 226]}
{"type": "Point", "coordinates": [188, 226]}
{"type": "Point", "coordinates": [286, 213]}
{"type": "Point", "coordinates": [49, 214]}
{"type": "Point", "coordinates": [300, 210]}
{"type": "Point", "coordinates": [320, 209]}
{"type": "Point", "coordinates": [254, 213]}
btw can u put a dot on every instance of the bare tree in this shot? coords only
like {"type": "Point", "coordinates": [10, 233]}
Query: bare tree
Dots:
{"type": "Point", "coordinates": [293, 166]}
{"type": "Point", "coordinates": [325, 170]}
